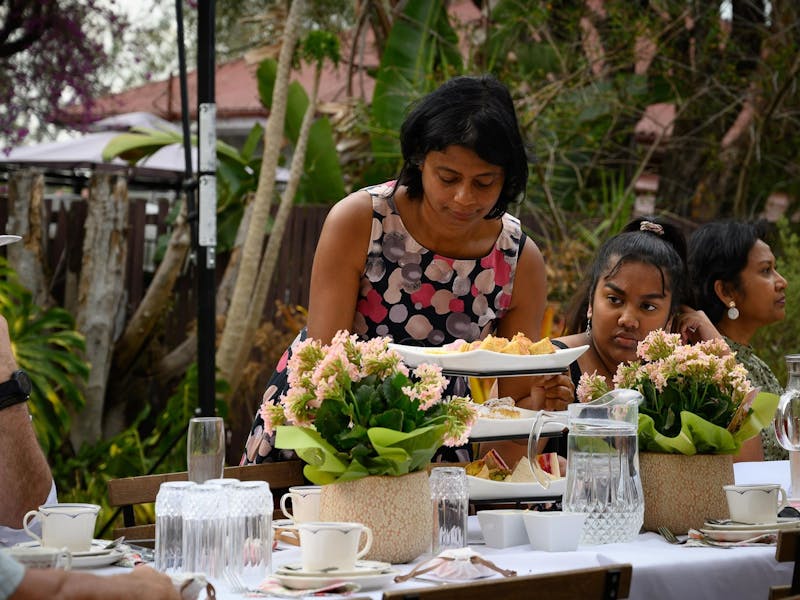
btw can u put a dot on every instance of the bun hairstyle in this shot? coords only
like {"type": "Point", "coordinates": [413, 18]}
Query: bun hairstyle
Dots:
{"type": "Point", "coordinates": [649, 240]}
{"type": "Point", "coordinates": [473, 112]}
{"type": "Point", "coordinates": [719, 251]}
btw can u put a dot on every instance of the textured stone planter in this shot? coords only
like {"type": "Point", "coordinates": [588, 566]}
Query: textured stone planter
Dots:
{"type": "Point", "coordinates": [397, 509]}
{"type": "Point", "coordinates": [682, 492]}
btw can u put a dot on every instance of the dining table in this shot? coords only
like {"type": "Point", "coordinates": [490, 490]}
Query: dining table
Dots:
{"type": "Point", "coordinates": [661, 571]}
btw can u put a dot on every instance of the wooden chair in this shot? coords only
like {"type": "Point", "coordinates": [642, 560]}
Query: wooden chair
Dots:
{"type": "Point", "coordinates": [597, 583]}
{"type": "Point", "coordinates": [129, 491]}
{"type": "Point", "coordinates": [788, 550]}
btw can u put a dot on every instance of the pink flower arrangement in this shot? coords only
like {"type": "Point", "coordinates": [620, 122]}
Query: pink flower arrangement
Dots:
{"type": "Point", "coordinates": [354, 409]}
{"type": "Point", "coordinates": [689, 391]}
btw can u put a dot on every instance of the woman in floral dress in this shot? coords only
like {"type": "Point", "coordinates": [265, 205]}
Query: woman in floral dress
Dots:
{"type": "Point", "coordinates": [434, 257]}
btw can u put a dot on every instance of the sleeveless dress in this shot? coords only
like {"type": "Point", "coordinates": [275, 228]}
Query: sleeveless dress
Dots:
{"type": "Point", "coordinates": [414, 296]}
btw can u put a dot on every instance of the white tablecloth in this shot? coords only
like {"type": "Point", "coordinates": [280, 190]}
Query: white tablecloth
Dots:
{"type": "Point", "coordinates": [660, 571]}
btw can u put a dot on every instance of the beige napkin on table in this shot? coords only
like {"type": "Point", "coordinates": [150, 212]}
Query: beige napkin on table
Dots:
{"type": "Point", "coordinates": [456, 564]}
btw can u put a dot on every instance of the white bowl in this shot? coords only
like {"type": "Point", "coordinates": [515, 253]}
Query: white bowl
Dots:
{"type": "Point", "coordinates": [554, 531]}
{"type": "Point", "coordinates": [503, 527]}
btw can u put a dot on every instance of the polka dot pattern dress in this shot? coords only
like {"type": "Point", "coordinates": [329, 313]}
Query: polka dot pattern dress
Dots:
{"type": "Point", "coordinates": [416, 297]}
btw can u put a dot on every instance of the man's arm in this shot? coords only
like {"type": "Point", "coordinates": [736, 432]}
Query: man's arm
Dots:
{"type": "Point", "coordinates": [25, 477]}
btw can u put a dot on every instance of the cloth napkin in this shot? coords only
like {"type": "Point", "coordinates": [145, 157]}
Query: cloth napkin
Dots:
{"type": "Point", "coordinates": [457, 564]}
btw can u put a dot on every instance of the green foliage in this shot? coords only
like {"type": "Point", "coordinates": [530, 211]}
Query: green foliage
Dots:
{"type": "Point", "coordinates": [422, 50]}
{"type": "Point", "coordinates": [321, 181]}
{"type": "Point", "coordinates": [47, 346]}
{"type": "Point", "coordinates": [773, 342]}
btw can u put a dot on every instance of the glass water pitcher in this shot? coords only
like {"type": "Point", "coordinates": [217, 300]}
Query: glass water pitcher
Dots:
{"type": "Point", "coordinates": [603, 478]}
{"type": "Point", "coordinates": [787, 420]}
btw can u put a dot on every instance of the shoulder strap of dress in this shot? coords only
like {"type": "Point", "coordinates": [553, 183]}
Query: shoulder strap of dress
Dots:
{"type": "Point", "coordinates": [574, 369]}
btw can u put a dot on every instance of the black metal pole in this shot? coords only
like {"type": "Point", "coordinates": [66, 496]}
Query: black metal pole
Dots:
{"type": "Point", "coordinates": [207, 213]}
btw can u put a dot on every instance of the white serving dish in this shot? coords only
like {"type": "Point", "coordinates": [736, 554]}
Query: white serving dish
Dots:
{"type": "Point", "coordinates": [485, 427]}
{"type": "Point", "coordinates": [485, 363]}
{"type": "Point", "coordinates": [554, 531]}
{"type": "Point", "coordinates": [502, 528]}
{"type": "Point", "coordinates": [486, 489]}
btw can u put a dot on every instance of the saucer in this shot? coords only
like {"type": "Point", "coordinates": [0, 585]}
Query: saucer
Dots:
{"type": "Point", "coordinates": [362, 568]}
{"type": "Point", "coordinates": [781, 523]}
{"type": "Point", "coordinates": [721, 535]}
{"type": "Point", "coordinates": [96, 556]}
{"type": "Point", "coordinates": [284, 524]}
{"type": "Point", "coordinates": [369, 580]}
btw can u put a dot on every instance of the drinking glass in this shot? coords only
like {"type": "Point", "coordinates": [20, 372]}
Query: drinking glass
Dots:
{"type": "Point", "coordinates": [450, 500]}
{"type": "Point", "coordinates": [205, 448]}
{"type": "Point", "coordinates": [250, 529]}
{"type": "Point", "coordinates": [169, 526]}
{"type": "Point", "coordinates": [205, 511]}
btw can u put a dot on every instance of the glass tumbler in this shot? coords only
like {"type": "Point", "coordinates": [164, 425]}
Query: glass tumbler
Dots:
{"type": "Point", "coordinates": [450, 500]}
{"type": "Point", "coordinates": [205, 510]}
{"type": "Point", "coordinates": [169, 526]}
{"type": "Point", "coordinates": [205, 448]}
{"type": "Point", "coordinates": [250, 529]}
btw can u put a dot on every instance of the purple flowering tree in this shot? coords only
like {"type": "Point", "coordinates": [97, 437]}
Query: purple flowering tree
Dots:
{"type": "Point", "coordinates": [52, 53]}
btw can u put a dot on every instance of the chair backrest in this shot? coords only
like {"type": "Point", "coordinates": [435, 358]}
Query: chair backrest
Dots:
{"type": "Point", "coordinates": [130, 491]}
{"type": "Point", "coordinates": [597, 583]}
{"type": "Point", "coordinates": [788, 550]}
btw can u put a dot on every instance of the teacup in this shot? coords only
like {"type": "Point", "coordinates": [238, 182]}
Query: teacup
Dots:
{"type": "Point", "coordinates": [305, 503]}
{"type": "Point", "coordinates": [41, 558]}
{"type": "Point", "coordinates": [332, 546]}
{"type": "Point", "coordinates": [758, 503]}
{"type": "Point", "coordinates": [69, 526]}
{"type": "Point", "coordinates": [554, 531]}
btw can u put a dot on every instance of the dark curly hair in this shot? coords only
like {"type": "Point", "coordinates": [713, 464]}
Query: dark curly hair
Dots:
{"type": "Point", "coordinates": [474, 112]}
{"type": "Point", "coordinates": [718, 252]}
{"type": "Point", "coordinates": [666, 251]}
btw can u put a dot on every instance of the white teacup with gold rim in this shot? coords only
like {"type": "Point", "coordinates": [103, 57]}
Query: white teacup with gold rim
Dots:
{"type": "Point", "coordinates": [332, 546]}
{"type": "Point", "coordinates": [41, 558]}
{"type": "Point", "coordinates": [69, 526]}
{"type": "Point", "coordinates": [755, 503]}
{"type": "Point", "coordinates": [305, 503]}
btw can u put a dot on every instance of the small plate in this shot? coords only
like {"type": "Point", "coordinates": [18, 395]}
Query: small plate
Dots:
{"type": "Point", "coordinates": [363, 567]}
{"type": "Point", "coordinates": [370, 580]}
{"type": "Point", "coordinates": [486, 489]}
{"type": "Point", "coordinates": [781, 523]}
{"type": "Point", "coordinates": [485, 363]}
{"type": "Point", "coordinates": [96, 556]}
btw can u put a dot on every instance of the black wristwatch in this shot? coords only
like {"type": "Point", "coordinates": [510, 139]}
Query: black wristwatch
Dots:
{"type": "Point", "coordinates": [15, 390]}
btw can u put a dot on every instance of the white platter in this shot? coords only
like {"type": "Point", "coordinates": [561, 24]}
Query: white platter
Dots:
{"type": "Point", "coordinates": [96, 556]}
{"type": "Point", "coordinates": [485, 363]}
{"type": "Point", "coordinates": [486, 489]}
{"type": "Point", "coordinates": [9, 239]}
{"type": "Point", "coordinates": [485, 428]}
{"type": "Point", "coordinates": [369, 580]}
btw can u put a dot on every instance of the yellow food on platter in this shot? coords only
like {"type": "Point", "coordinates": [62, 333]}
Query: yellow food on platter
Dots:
{"type": "Point", "coordinates": [519, 344]}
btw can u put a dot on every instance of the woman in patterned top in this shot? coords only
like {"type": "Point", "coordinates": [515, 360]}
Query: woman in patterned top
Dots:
{"type": "Point", "coordinates": [434, 257]}
{"type": "Point", "coordinates": [734, 281]}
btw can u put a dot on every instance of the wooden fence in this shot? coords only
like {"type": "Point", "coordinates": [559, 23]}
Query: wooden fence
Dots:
{"type": "Point", "coordinates": [290, 283]}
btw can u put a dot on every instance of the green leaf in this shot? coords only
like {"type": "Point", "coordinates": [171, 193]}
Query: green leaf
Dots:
{"type": "Point", "coordinates": [303, 438]}
{"type": "Point", "coordinates": [761, 414]}
{"type": "Point", "coordinates": [696, 436]}
{"type": "Point", "coordinates": [390, 419]}
{"type": "Point", "coordinates": [322, 180]}
{"type": "Point", "coordinates": [331, 420]}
